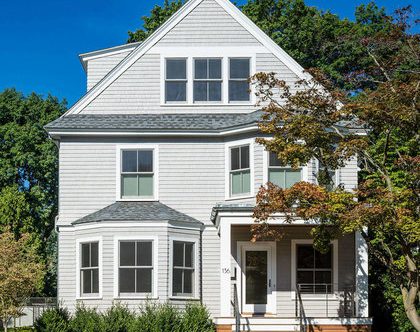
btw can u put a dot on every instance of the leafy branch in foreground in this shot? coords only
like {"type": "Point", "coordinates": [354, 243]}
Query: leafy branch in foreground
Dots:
{"type": "Point", "coordinates": [379, 125]}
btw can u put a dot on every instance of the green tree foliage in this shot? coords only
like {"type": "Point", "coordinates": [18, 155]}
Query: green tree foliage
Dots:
{"type": "Point", "coordinates": [21, 273]}
{"type": "Point", "coordinates": [28, 170]}
{"type": "Point", "coordinates": [158, 16]}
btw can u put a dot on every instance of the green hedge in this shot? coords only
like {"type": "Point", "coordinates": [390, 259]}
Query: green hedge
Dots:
{"type": "Point", "coordinates": [152, 317]}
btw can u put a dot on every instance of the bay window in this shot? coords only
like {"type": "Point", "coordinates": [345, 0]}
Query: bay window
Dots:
{"type": "Point", "coordinates": [240, 171]}
{"type": "Point", "coordinates": [183, 268]}
{"type": "Point", "coordinates": [89, 268]}
{"type": "Point", "coordinates": [281, 175]}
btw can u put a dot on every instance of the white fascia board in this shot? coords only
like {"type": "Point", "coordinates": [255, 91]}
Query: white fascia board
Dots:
{"type": "Point", "coordinates": [133, 57]}
{"type": "Point", "coordinates": [170, 24]}
{"type": "Point", "coordinates": [61, 133]}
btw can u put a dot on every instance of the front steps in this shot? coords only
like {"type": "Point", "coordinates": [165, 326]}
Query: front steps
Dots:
{"type": "Point", "coordinates": [275, 324]}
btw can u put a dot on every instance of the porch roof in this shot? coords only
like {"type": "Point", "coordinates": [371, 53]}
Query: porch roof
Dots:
{"type": "Point", "coordinates": [230, 207]}
{"type": "Point", "coordinates": [137, 211]}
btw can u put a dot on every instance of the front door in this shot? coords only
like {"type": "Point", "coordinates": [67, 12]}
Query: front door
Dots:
{"type": "Point", "coordinates": [257, 278]}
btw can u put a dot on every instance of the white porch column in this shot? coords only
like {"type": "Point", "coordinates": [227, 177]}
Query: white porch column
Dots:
{"type": "Point", "coordinates": [362, 286]}
{"type": "Point", "coordinates": [225, 267]}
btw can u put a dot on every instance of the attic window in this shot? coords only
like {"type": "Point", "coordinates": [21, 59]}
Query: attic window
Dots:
{"type": "Point", "coordinates": [176, 80]}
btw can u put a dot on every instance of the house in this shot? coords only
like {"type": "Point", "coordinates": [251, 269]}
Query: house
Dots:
{"type": "Point", "coordinates": [159, 169]}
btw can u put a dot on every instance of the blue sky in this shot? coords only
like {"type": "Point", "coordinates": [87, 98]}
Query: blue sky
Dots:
{"type": "Point", "coordinates": [40, 40]}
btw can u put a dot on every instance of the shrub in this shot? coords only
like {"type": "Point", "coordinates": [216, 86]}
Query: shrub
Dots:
{"type": "Point", "coordinates": [196, 318]}
{"type": "Point", "coordinates": [118, 318]}
{"type": "Point", "coordinates": [53, 320]}
{"type": "Point", "coordinates": [85, 320]}
{"type": "Point", "coordinates": [157, 318]}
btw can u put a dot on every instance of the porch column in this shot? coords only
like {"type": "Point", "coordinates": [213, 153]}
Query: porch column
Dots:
{"type": "Point", "coordinates": [225, 267]}
{"type": "Point", "coordinates": [362, 286]}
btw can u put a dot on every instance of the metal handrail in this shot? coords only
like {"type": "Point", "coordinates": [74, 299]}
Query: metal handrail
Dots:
{"type": "Point", "coordinates": [236, 311]}
{"type": "Point", "coordinates": [300, 310]}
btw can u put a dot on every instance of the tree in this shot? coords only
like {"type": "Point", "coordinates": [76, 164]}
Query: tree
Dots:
{"type": "Point", "coordinates": [29, 169]}
{"type": "Point", "coordinates": [21, 273]}
{"type": "Point", "coordinates": [319, 122]}
{"type": "Point", "coordinates": [158, 16]}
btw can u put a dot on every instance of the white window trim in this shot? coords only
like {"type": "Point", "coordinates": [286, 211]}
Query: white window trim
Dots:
{"type": "Point", "coordinates": [79, 242]}
{"type": "Point", "coordinates": [190, 239]}
{"type": "Point", "coordinates": [155, 256]}
{"type": "Point", "coordinates": [228, 147]}
{"type": "Point", "coordinates": [304, 169]}
{"type": "Point", "coordinates": [204, 53]}
{"type": "Point", "coordinates": [334, 294]}
{"type": "Point", "coordinates": [135, 146]}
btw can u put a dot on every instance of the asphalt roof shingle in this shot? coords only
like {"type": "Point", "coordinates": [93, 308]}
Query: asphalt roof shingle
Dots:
{"type": "Point", "coordinates": [151, 122]}
{"type": "Point", "coordinates": [138, 211]}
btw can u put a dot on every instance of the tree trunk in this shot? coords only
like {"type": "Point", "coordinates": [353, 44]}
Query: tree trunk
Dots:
{"type": "Point", "coordinates": [409, 299]}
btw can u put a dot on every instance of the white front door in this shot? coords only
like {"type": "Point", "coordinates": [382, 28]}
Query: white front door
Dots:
{"type": "Point", "coordinates": [258, 277]}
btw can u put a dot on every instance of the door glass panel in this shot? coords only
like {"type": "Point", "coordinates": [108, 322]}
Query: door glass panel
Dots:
{"type": "Point", "coordinates": [256, 277]}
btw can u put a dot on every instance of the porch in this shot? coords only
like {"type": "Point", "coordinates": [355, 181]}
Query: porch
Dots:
{"type": "Point", "coordinates": [286, 285]}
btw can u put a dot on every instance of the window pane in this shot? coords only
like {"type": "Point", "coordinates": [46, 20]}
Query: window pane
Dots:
{"type": "Point", "coordinates": [146, 185]}
{"type": "Point", "coordinates": [94, 254]}
{"type": "Point", "coordinates": [95, 281]}
{"type": "Point", "coordinates": [200, 68]}
{"type": "Point", "coordinates": [215, 68]}
{"type": "Point", "coordinates": [86, 282]}
{"type": "Point", "coordinates": [176, 91]}
{"type": "Point", "coordinates": [323, 261]}
{"type": "Point", "coordinates": [305, 256]}
{"type": "Point", "coordinates": [144, 254]}
{"type": "Point", "coordinates": [305, 277]}
{"type": "Point", "coordinates": [323, 277]}
{"type": "Point", "coordinates": [129, 161]}
{"type": "Point", "coordinates": [178, 253]}
{"type": "Point", "coordinates": [246, 182]}
{"type": "Point", "coordinates": [200, 91]}
{"type": "Point", "coordinates": [176, 69]}
{"type": "Point", "coordinates": [129, 185]}
{"type": "Point", "coordinates": [234, 158]}
{"type": "Point", "coordinates": [292, 177]}
{"type": "Point", "coordinates": [215, 91]}
{"type": "Point", "coordinates": [239, 68]}
{"type": "Point", "coordinates": [237, 183]}
{"type": "Point", "coordinates": [238, 91]}
{"type": "Point", "coordinates": [177, 282]}
{"type": "Point", "coordinates": [274, 161]}
{"type": "Point", "coordinates": [85, 254]}
{"type": "Point", "coordinates": [145, 161]}
{"type": "Point", "coordinates": [188, 282]}
{"type": "Point", "coordinates": [144, 281]}
{"type": "Point", "coordinates": [276, 176]}
{"type": "Point", "coordinates": [245, 156]}
{"type": "Point", "coordinates": [127, 281]}
{"type": "Point", "coordinates": [189, 254]}
{"type": "Point", "coordinates": [127, 253]}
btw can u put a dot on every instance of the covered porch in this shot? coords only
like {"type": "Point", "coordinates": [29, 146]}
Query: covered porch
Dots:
{"type": "Point", "coordinates": [285, 284]}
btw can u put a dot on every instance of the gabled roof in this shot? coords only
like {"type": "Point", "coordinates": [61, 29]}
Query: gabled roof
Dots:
{"type": "Point", "coordinates": [136, 211]}
{"type": "Point", "coordinates": [165, 28]}
{"type": "Point", "coordinates": [173, 122]}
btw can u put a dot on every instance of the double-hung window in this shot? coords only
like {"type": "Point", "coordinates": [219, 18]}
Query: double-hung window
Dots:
{"type": "Point", "coordinates": [240, 172]}
{"type": "Point", "coordinates": [137, 174]}
{"type": "Point", "coordinates": [89, 269]}
{"type": "Point", "coordinates": [207, 80]}
{"type": "Point", "coordinates": [239, 73]}
{"type": "Point", "coordinates": [183, 270]}
{"type": "Point", "coordinates": [280, 175]}
{"type": "Point", "coordinates": [135, 268]}
{"type": "Point", "coordinates": [314, 273]}
{"type": "Point", "coordinates": [176, 81]}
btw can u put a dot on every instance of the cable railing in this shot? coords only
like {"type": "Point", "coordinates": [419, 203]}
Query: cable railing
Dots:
{"type": "Point", "coordinates": [340, 300]}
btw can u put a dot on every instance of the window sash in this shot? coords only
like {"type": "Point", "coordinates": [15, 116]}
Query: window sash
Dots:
{"type": "Point", "coordinates": [135, 267]}
{"type": "Point", "coordinates": [94, 278]}
{"type": "Point", "coordinates": [239, 79]}
{"type": "Point", "coordinates": [139, 175]}
{"type": "Point", "coordinates": [208, 80]}
{"type": "Point", "coordinates": [184, 81]}
{"type": "Point", "coordinates": [285, 171]}
{"type": "Point", "coordinates": [183, 269]}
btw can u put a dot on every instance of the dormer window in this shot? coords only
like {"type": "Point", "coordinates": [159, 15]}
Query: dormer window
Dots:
{"type": "Point", "coordinates": [176, 81]}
